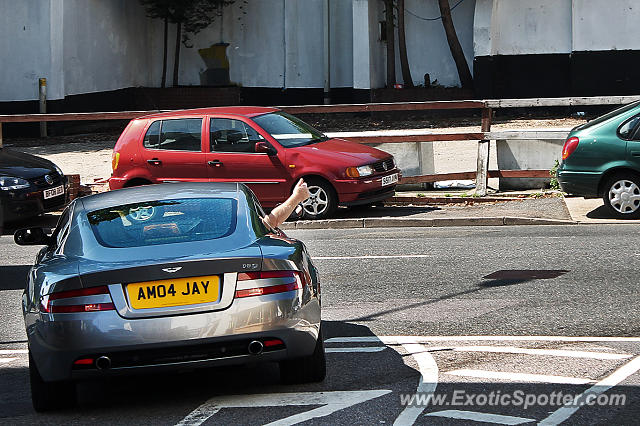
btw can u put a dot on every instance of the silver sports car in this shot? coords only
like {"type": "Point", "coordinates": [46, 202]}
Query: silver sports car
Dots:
{"type": "Point", "coordinates": [163, 277]}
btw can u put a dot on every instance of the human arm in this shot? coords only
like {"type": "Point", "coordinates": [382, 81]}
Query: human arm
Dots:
{"type": "Point", "coordinates": [278, 215]}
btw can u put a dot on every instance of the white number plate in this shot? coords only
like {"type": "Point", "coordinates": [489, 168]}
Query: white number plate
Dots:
{"type": "Point", "coordinates": [388, 180]}
{"type": "Point", "coordinates": [53, 192]}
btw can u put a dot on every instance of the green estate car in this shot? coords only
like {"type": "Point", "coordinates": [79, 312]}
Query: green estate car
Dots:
{"type": "Point", "coordinates": [601, 158]}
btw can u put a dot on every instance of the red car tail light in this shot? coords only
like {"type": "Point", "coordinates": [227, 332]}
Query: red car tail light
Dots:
{"type": "Point", "coordinates": [570, 145]}
{"type": "Point", "coordinates": [261, 291]}
{"type": "Point", "coordinates": [46, 306]}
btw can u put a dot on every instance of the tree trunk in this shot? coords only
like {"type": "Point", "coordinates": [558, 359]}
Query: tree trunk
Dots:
{"type": "Point", "coordinates": [391, 52]}
{"type": "Point", "coordinates": [164, 57]}
{"type": "Point", "coordinates": [454, 45]}
{"type": "Point", "coordinates": [176, 59]}
{"type": "Point", "coordinates": [402, 45]}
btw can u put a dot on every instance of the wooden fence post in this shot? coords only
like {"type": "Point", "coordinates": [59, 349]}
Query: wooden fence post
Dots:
{"type": "Point", "coordinates": [483, 155]}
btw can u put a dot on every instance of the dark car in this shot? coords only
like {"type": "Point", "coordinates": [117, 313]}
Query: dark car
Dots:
{"type": "Point", "coordinates": [264, 148]}
{"type": "Point", "coordinates": [601, 158]}
{"type": "Point", "coordinates": [167, 277]}
{"type": "Point", "coordinates": [29, 185]}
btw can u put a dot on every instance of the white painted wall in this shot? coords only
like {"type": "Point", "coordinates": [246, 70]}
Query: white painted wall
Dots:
{"type": "Point", "coordinates": [427, 47]}
{"type": "Point", "coordinates": [25, 50]}
{"type": "Point", "coordinates": [108, 46]}
{"type": "Point", "coordinates": [531, 26]}
{"type": "Point", "coordinates": [606, 25]}
{"type": "Point", "coordinates": [277, 43]}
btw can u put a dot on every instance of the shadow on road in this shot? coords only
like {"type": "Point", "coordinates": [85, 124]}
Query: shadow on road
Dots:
{"type": "Point", "coordinates": [14, 277]}
{"type": "Point", "coordinates": [495, 279]}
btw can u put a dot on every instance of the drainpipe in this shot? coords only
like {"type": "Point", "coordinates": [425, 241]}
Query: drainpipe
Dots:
{"type": "Point", "coordinates": [327, 50]}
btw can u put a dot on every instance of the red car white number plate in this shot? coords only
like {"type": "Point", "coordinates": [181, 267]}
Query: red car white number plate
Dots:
{"type": "Point", "coordinates": [388, 180]}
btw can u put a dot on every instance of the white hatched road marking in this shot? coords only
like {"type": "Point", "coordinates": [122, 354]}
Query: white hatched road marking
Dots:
{"type": "Point", "coordinates": [389, 340]}
{"type": "Point", "coordinates": [519, 377]}
{"type": "Point", "coordinates": [555, 418]}
{"type": "Point", "coordinates": [356, 349]}
{"type": "Point", "coordinates": [481, 417]}
{"type": "Point", "coordinates": [563, 413]}
{"type": "Point", "coordinates": [330, 401]}
{"type": "Point", "coordinates": [550, 352]}
{"type": "Point", "coordinates": [428, 381]}
{"type": "Point", "coordinates": [6, 360]}
{"type": "Point", "coordinates": [333, 401]}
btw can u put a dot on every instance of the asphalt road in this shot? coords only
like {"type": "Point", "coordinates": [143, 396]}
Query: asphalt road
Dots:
{"type": "Point", "coordinates": [408, 312]}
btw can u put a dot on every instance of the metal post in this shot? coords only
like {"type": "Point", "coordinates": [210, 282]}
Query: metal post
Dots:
{"type": "Point", "coordinates": [327, 51]}
{"type": "Point", "coordinates": [42, 83]}
{"type": "Point", "coordinates": [0, 134]}
{"type": "Point", "coordinates": [483, 155]}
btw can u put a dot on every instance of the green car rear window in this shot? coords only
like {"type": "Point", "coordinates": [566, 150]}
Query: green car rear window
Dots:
{"type": "Point", "coordinates": [164, 222]}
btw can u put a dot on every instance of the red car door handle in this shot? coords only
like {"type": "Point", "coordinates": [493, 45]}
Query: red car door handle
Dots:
{"type": "Point", "coordinates": [215, 163]}
{"type": "Point", "coordinates": [154, 162]}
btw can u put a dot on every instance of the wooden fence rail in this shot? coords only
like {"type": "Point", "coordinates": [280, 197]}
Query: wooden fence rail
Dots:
{"type": "Point", "coordinates": [482, 138]}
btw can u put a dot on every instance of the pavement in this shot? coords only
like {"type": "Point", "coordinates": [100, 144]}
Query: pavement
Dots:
{"type": "Point", "coordinates": [457, 208]}
{"type": "Point", "coordinates": [444, 208]}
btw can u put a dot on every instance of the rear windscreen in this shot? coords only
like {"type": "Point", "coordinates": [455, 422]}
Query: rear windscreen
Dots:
{"type": "Point", "coordinates": [164, 222]}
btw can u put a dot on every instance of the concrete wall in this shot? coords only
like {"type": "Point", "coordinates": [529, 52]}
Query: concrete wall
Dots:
{"type": "Point", "coordinates": [80, 46]}
{"type": "Point", "coordinates": [25, 49]}
{"type": "Point", "coordinates": [525, 27]}
{"type": "Point", "coordinates": [109, 45]}
{"type": "Point", "coordinates": [427, 47]}
{"type": "Point", "coordinates": [606, 25]}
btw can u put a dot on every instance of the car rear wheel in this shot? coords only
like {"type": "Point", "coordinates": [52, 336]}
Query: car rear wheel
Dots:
{"type": "Point", "coordinates": [322, 202]}
{"type": "Point", "coordinates": [305, 370]}
{"type": "Point", "coordinates": [622, 196]}
{"type": "Point", "coordinates": [47, 396]}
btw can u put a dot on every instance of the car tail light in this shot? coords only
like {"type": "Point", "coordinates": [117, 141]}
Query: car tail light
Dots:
{"type": "Point", "coordinates": [115, 159]}
{"type": "Point", "coordinates": [261, 291]}
{"type": "Point", "coordinates": [48, 307]}
{"type": "Point", "coordinates": [570, 145]}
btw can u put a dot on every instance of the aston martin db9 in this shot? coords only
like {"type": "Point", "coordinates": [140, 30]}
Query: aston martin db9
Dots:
{"type": "Point", "coordinates": [167, 277]}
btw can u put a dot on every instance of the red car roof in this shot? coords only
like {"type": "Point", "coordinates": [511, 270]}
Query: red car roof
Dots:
{"type": "Point", "coordinates": [246, 111]}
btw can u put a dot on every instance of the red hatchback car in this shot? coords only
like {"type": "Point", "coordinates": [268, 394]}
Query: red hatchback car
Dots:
{"type": "Point", "coordinates": [265, 148]}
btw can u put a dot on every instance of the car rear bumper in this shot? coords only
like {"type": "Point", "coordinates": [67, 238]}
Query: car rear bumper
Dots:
{"type": "Point", "coordinates": [116, 183]}
{"type": "Point", "coordinates": [584, 184]}
{"type": "Point", "coordinates": [172, 342]}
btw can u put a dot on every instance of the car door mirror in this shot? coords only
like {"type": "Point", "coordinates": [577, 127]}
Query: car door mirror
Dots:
{"type": "Point", "coordinates": [31, 237]}
{"type": "Point", "coordinates": [264, 148]}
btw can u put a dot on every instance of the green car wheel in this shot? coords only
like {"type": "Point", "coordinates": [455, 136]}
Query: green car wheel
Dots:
{"type": "Point", "coordinates": [622, 196]}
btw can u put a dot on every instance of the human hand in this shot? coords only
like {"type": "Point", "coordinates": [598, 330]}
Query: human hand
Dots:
{"type": "Point", "coordinates": [300, 191]}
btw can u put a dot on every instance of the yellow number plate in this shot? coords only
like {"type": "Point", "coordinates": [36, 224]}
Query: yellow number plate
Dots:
{"type": "Point", "coordinates": [174, 292]}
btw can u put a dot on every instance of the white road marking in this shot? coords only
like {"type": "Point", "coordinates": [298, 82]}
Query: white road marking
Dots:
{"type": "Point", "coordinates": [330, 401]}
{"type": "Point", "coordinates": [481, 417]}
{"type": "Point", "coordinates": [356, 349]}
{"type": "Point", "coordinates": [6, 360]}
{"type": "Point", "coordinates": [13, 351]}
{"type": "Point", "coordinates": [428, 382]}
{"type": "Point", "coordinates": [563, 413]}
{"type": "Point", "coordinates": [389, 340]}
{"type": "Point", "coordinates": [519, 377]}
{"type": "Point", "coordinates": [550, 352]}
{"type": "Point", "coordinates": [402, 256]}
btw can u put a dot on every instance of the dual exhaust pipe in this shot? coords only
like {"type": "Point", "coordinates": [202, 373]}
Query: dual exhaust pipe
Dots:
{"type": "Point", "coordinates": [255, 347]}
